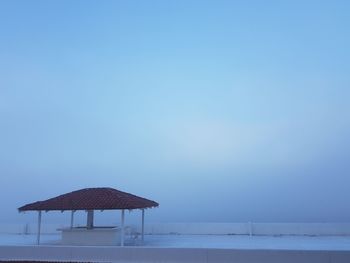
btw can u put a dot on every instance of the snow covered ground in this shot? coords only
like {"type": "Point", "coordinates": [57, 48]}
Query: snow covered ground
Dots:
{"type": "Point", "coordinates": [336, 243]}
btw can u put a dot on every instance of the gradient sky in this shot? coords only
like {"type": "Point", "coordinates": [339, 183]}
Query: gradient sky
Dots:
{"type": "Point", "coordinates": [222, 111]}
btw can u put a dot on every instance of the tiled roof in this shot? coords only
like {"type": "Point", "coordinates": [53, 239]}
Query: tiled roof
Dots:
{"type": "Point", "coordinates": [91, 199]}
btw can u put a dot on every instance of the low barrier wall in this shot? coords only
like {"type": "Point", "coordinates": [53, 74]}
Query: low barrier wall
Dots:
{"type": "Point", "coordinates": [332, 229]}
{"type": "Point", "coordinates": [317, 229]}
{"type": "Point", "coordinates": [167, 255]}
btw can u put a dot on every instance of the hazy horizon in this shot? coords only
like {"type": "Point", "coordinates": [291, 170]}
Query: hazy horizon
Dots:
{"type": "Point", "coordinates": [221, 111]}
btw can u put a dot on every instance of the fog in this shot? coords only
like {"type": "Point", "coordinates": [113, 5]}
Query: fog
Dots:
{"type": "Point", "coordinates": [220, 111]}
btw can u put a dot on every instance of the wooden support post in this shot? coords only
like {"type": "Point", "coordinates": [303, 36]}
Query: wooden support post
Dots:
{"type": "Point", "coordinates": [122, 229]}
{"type": "Point", "coordinates": [90, 219]}
{"type": "Point", "coordinates": [72, 219]}
{"type": "Point", "coordinates": [39, 228]}
{"type": "Point", "coordinates": [143, 225]}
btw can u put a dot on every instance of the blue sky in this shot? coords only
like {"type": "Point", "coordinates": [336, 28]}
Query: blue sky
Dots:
{"type": "Point", "coordinates": [190, 103]}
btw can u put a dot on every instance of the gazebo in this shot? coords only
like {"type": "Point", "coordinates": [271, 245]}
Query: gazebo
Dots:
{"type": "Point", "coordinates": [90, 199]}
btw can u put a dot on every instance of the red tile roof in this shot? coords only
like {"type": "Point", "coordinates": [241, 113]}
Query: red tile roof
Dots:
{"type": "Point", "coordinates": [91, 199]}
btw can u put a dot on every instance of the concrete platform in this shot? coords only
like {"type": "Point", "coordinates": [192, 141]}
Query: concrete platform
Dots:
{"type": "Point", "coordinates": [169, 255]}
{"type": "Point", "coordinates": [184, 248]}
{"type": "Point", "coordinates": [331, 243]}
{"type": "Point", "coordinates": [97, 236]}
